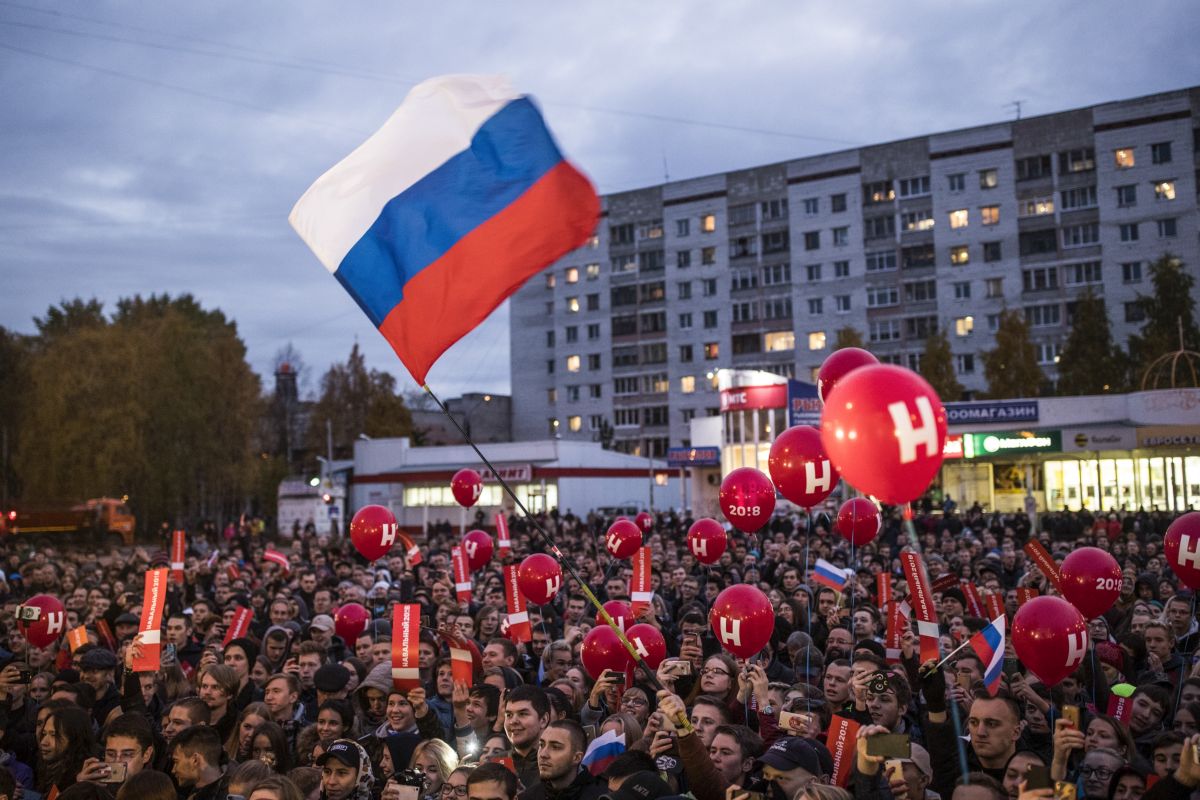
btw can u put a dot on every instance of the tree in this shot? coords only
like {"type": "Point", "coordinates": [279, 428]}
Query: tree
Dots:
{"type": "Point", "coordinates": [14, 363]}
{"type": "Point", "coordinates": [1090, 362]}
{"type": "Point", "coordinates": [937, 367]}
{"type": "Point", "coordinates": [356, 401]}
{"type": "Point", "coordinates": [1011, 369]}
{"type": "Point", "coordinates": [848, 337]}
{"type": "Point", "coordinates": [1167, 310]}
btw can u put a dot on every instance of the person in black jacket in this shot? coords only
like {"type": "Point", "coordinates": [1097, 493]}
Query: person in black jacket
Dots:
{"type": "Point", "coordinates": [559, 756]}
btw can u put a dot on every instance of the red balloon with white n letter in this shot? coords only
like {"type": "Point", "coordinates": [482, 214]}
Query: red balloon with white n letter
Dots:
{"type": "Point", "coordinates": [859, 521]}
{"type": "Point", "coordinates": [742, 620]}
{"type": "Point", "coordinates": [649, 642]}
{"type": "Point", "coordinates": [747, 499]}
{"type": "Point", "coordinates": [601, 650]}
{"type": "Point", "coordinates": [621, 614]}
{"type": "Point", "coordinates": [466, 486]}
{"type": "Point", "coordinates": [1181, 544]}
{"type": "Point", "coordinates": [373, 531]}
{"type": "Point", "coordinates": [50, 623]}
{"type": "Point", "coordinates": [838, 365]}
{"type": "Point", "coordinates": [478, 547]}
{"type": "Point", "coordinates": [884, 428]}
{"type": "Point", "coordinates": [707, 540]}
{"type": "Point", "coordinates": [539, 578]}
{"type": "Point", "coordinates": [799, 467]}
{"type": "Point", "coordinates": [1050, 636]}
{"type": "Point", "coordinates": [645, 521]}
{"type": "Point", "coordinates": [623, 538]}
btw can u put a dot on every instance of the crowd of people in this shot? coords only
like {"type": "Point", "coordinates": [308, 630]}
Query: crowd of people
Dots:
{"type": "Point", "coordinates": [292, 710]}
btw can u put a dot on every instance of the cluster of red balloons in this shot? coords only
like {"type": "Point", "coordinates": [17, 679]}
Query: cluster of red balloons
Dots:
{"type": "Point", "coordinates": [602, 649]}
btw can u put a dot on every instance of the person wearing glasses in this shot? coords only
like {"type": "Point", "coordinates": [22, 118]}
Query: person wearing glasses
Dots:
{"type": "Point", "coordinates": [455, 785]}
{"type": "Point", "coordinates": [1096, 771]}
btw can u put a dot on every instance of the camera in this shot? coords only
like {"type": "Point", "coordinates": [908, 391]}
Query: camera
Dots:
{"type": "Point", "coordinates": [410, 777]}
{"type": "Point", "coordinates": [877, 683]}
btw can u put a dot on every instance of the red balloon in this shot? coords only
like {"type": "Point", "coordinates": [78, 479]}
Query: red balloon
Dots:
{"type": "Point", "coordinates": [1182, 546]}
{"type": "Point", "coordinates": [478, 547]}
{"type": "Point", "coordinates": [884, 429]}
{"type": "Point", "coordinates": [621, 613]}
{"type": "Point", "coordinates": [747, 499]}
{"type": "Point", "coordinates": [466, 485]}
{"type": "Point", "coordinates": [859, 521]}
{"type": "Point", "coordinates": [1091, 580]}
{"type": "Point", "coordinates": [51, 620]}
{"type": "Point", "coordinates": [742, 619]}
{"type": "Point", "coordinates": [350, 620]}
{"type": "Point", "coordinates": [1050, 637]}
{"type": "Point", "coordinates": [539, 578]}
{"type": "Point", "coordinates": [602, 650]}
{"type": "Point", "coordinates": [799, 467]}
{"type": "Point", "coordinates": [645, 521]}
{"type": "Point", "coordinates": [649, 642]}
{"type": "Point", "coordinates": [707, 540]}
{"type": "Point", "coordinates": [838, 365]}
{"type": "Point", "coordinates": [623, 539]}
{"type": "Point", "coordinates": [373, 531]}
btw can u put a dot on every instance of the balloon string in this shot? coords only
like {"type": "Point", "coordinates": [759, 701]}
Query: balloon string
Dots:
{"type": "Point", "coordinates": [808, 611]}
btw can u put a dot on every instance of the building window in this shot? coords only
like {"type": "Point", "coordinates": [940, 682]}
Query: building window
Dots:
{"type": "Point", "coordinates": [1043, 316]}
{"type": "Point", "coordinates": [712, 351]}
{"type": "Point", "coordinates": [572, 333]}
{"type": "Point", "coordinates": [685, 290]}
{"type": "Point", "coordinates": [994, 287]}
{"type": "Point", "coordinates": [842, 303]}
{"type": "Point", "coordinates": [920, 327]}
{"type": "Point", "coordinates": [593, 331]}
{"type": "Point", "coordinates": [593, 302]}
{"type": "Point", "coordinates": [1033, 168]}
{"type": "Point", "coordinates": [1089, 272]}
{"type": "Point", "coordinates": [550, 367]}
{"type": "Point", "coordinates": [1164, 190]}
{"type": "Point", "coordinates": [594, 362]}
{"type": "Point", "coordinates": [878, 192]}
{"type": "Point", "coordinates": [592, 271]}
{"type": "Point", "coordinates": [1129, 232]}
{"type": "Point", "coordinates": [1166, 228]}
{"type": "Point", "coordinates": [1082, 159]}
{"type": "Point", "coordinates": [841, 236]}
{"type": "Point", "coordinates": [595, 422]}
{"type": "Point", "coordinates": [965, 363]}
{"type": "Point", "coordinates": [775, 242]}
{"type": "Point", "coordinates": [575, 423]}
{"type": "Point", "coordinates": [962, 291]}
{"type": "Point", "coordinates": [920, 291]}
{"type": "Point", "coordinates": [960, 218]}
{"type": "Point", "coordinates": [776, 274]}
{"type": "Point", "coordinates": [816, 340]}
{"type": "Point", "coordinates": [813, 271]}
{"type": "Point", "coordinates": [1134, 312]}
{"type": "Point", "coordinates": [687, 384]}
{"type": "Point", "coordinates": [1047, 353]}
{"type": "Point", "coordinates": [710, 319]}
{"type": "Point", "coordinates": [917, 256]}
{"type": "Point", "coordinates": [815, 305]}
{"type": "Point", "coordinates": [990, 214]}
{"type": "Point", "coordinates": [991, 251]}
{"type": "Point", "coordinates": [685, 353]}
{"type": "Point", "coordinates": [708, 287]}
{"type": "Point", "coordinates": [551, 280]}
{"type": "Point", "coordinates": [595, 391]}
{"type": "Point", "coordinates": [1033, 243]}
{"type": "Point", "coordinates": [620, 234]}
{"type": "Point", "coordinates": [683, 259]}
{"type": "Point", "coordinates": [837, 203]}
{"type": "Point", "coordinates": [989, 179]}
{"type": "Point", "coordinates": [963, 326]}
{"type": "Point", "coordinates": [879, 227]}
{"type": "Point", "coordinates": [882, 296]}
{"type": "Point", "coordinates": [957, 182]}
{"type": "Point", "coordinates": [1131, 272]}
{"type": "Point", "coordinates": [685, 321]}
{"type": "Point", "coordinates": [573, 363]}
{"type": "Point", "coordinates": [914, 187]}
{"type": "Point", "coordinates": [841, 269]}
{"type": "Point", "coordinates": [881, 261]}
{"type": "Point", "coordinates": [887, 330]}
{"type": "Point", "coordinates": [549, 338]}
{"type": "Point", "coordinates": [572, 275]}
{"type": "Point", "coordinates": [1081, 235]}
{"type": "Point", "coordinates": [708, 256]}
{"type": "Point", "coordinates": [812, 240]}
{"type": "Point", "coordinates": [1035, 207]}
{"type": "Point", "coordinates": [624, 263]}
{"type": "Point", "coordinates": [741, 215]}
{"type": "Point", "coordinates": [626, 417]}
{"type": "Point", "coordinates": [960, 255]}
{"type": "Point", "coordinates": [553, 424]}
{"type": "Point", "coordinates": [812, 206]}
{"type": "Point", "coordinates": [916, 221]}
{"type": "Point", "coordinates": [777, 308]}
{"type": "Point", "coordinates": [1160, 153]}
{"type": "Point", "coordinates": [1124, 157]}
{"type": "Point", "coordinates": [683, 227]}
{"type": "Point", "coordinates": [1039, 279]}
{"type": "Point", "coordinates": [708, 223]}
{"type": "Point", "coordinates": [658, 383]}
{"type": "Point", "coordinates": [1079, 197]}
{"type": "Point", "coordinates": [774, 209]}
{"type": "Point", "coordinates": [1126, 195]}
{"type": "Point", "coordinates": [778, 341]}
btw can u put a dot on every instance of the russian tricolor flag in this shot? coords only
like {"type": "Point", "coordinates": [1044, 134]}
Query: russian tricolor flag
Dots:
{"type": "Point", "coordinates": [603, 750]}
{"type": "Point", "coordinates": [989, 644]}
{"type": "Point", "coordinates": [445, 211]}
{"type": "Point", "coordinates": [829, 575]}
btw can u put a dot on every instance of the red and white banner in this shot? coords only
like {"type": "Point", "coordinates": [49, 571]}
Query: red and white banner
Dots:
{"type": "Point", "coordinates": [154, 598]}
{"type": "Point", "coordinates": [239, 626]}
{"type": "Point", "coordinates": [842, 742]}
{"type": "Point", "coordinates": [897, 623]}
{"type": "Point", "coordinates": [411, 551]}
{"type": "Point", "coordinates": [974, 601]}
{"type": "Point", "coordinates": [943, 582]}
{"type": "Point", "coordinates": [994, 601]}
{"type": "Point", "coordinates": [639, 589]}
{"type": "Point", "coordinates": [1045, 562]}
{"type": "Point", "coordinates": [1120, 708]}
{"type": "Point", "coordinates": [883, 591]}
{"type": "Point", "coordinates": [462, 577]}
{"type": "Point", "coordinates": [406, 636]}
{"type": "Point", "coordinates": [178, 549]}
{"type": "Point", "coordinates": [233, 572]}
{"type": "Point", "coordinates": [921, 599]}
{"type": "Point", "coordinates": [503, 538]}
{"type": "Point", "coordinates": [462, 666]}
{"type": "Point", "coordinates": [1025, 593]}
{"type": "Point", "coordinates": [276, 557]}
{"type": "Point", "coordinates": [519, 629]}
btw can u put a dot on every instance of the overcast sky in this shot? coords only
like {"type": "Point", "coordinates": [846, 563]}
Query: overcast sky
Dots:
{"type": "Point", "coordinates": [158, 147]}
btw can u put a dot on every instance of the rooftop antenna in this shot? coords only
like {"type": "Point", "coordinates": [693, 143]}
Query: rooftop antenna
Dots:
{"type": "Point", "coordinates": [666, 172]}
{"type": "Point", "coordinates": [1016, 104]}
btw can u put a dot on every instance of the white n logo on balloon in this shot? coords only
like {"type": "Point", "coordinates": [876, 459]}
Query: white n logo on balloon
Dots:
{"type": "Point", "coordinates": [553, 584]}
{"type": "Point", "coordinates": [54, 622]}
{"type": "Point", "coordinates": [388, 535]}
{"type": "Point", "coordinates": [613, 542]}
{"type": "Point", "coordinates": [911, 438]}
{"type": "Point", "coordinates": [700, 547]}
{"type": "Point", "coordinates": [1076, 648]}
{"type": "Point", "coordinates": [824, 481]}
{"type": "Point", "coordinates": [731, 631]}
{"type": "Point", "coordinates": [636, 641]}
{"type": "Point", "coordinates": [1189, 551]}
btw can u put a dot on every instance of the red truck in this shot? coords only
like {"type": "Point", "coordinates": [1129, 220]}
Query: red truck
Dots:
{"type": "Point", "coordinates": [98, 519]}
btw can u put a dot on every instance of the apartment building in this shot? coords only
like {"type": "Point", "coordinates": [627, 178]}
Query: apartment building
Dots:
{"type": "Point", "coordinates": [760, 268]}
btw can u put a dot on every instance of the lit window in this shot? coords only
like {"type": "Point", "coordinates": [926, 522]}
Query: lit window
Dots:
{"type": "Point", "coordinates": [553, 427]}
{"type": "Point", "coordinates": [575, 424]}
{"type": "Point", "coordinates": [959, 218]}
{"type": "Point", "coordinates": [573, 363]}
{"type": "Point", "coordinates": [573, 304]}
{"type": "Point", "coordinates": [988, 179]}
{"type": "Point", "coordinates": [964, 325]}
{"type": "Point", "coordinates": [960, 255]}
{"type": "Point", "coordinates": [687, 384]}
{"type": "Point", "coordinates": [593, 271]}
{"type": "Point", "coordinates": [550, 280]}
{"type": "Point", "coordinates": [779, 340]}
{"type": "Point", "coordinates": [712, 350]}
{"type": "Point", "coordinates": [708, 223]}
{"type": "Point", "coordinates": [572, 275]}
{"type": "Point", "coordinates": [816, 340]}
{"type": "Point", "coordinates": [991, 214]}
{"type": "Point", "coordinates": [1164, 190]}
{"type": "Point", "coordinates": [1124, 157]}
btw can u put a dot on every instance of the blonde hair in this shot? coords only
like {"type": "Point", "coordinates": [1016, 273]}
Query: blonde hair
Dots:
{"type": "Point", "coordinates": [443, 754]}
{"type": "Point", "coordinates": [824, 791]}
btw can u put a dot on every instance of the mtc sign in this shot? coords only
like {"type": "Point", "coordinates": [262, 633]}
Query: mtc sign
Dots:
{"type": "Point", "coordinates": [1008, 443]}
{"type": "Point", "coordinates": [745, 398]}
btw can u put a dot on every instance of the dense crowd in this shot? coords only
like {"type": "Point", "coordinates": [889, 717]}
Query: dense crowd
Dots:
{"type": "Point", "coordinates": [290, 710]}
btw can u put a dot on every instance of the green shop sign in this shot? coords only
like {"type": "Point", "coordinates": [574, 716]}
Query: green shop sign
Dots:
{"type": "Point", "coordinates": [1005, 443]}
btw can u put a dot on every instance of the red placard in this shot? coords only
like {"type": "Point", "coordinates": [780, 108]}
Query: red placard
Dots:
{"type": "Point", "coordinates": [944, 582]}
{"type": "Point", "coordinates": [406, 635]}
{"type": "Point", "coordinates": [178, 549]}
{"type": "Point", "coordinates": [922, 602]}
{"type": "Point", "coordinates": [233, 572]}
{"type": "Point", "coordinates": [1026, 593]}
{"type": "Point", "coordinates": [995, 605]}
{"type": "Point", "coordinates": [1037, 551]}
{"type": "Point", "coordinates": [842, 742]}
{"type": "Point", "coordinates": [106, 634]}
{"type": "Point", "coordinates": [462, 667]}
{"type": "Point", "coordinates": [974, 601]}
{"type": "Point", "coordinates": [411, 551]}
{"type": "Point", "coordinates": [462, 578]}
{"type": "Point", "coordinates": [276, 557]}
{"type": "Point", "coordinates": [154, 597]}
{"type": "Point", "coordinates": [519, 629]}
{"type": "Point", "coordinates": [503, 539]}
{"type": "Point", "coordinates": [883, 591]}
{"type": "Point", "coordinates": [639, 591]}
{"type": "Point", "coordinates": [897, 620]}
{"type": "Point", "coordinates": [1119, 708]}
{"type": "Point", "coordinates": [239, 626]}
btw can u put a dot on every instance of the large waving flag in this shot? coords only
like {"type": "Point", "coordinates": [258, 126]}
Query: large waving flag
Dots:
{"type": "Point", "coordinates": [989, 644]}
{"type": "Point", "coordinates": [832, 576]}
{"type": "Point", "coordinates": [445, 211]}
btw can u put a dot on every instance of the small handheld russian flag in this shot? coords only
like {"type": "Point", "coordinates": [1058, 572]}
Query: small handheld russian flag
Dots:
{"type": "Point", "coordinates": [603, 750]}
{"type": "Point", "coordinates": [989, 645]}
{"type": "Point", "coordinates": [832, 576]}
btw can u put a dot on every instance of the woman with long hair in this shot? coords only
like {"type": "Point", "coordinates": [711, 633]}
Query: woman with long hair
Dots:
{"type": "Point", "coordinates": [237, 746]}
{"type": "Point", "coordinates": [269, 744]}
{"type": "Point", "coordinates": [719, 677]}
{"type": "Point", "coordinates": [623, 722]}
{"type": "Point", "coordinates": [436, 760]}
{"type": "Point", "coordinates": [64, 743]}
{"type": "Point", "coordinates": [276, 787]}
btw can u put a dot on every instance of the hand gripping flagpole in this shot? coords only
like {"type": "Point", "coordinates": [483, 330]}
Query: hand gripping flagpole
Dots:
{"type": "Point", "coordinates": [558, 555]}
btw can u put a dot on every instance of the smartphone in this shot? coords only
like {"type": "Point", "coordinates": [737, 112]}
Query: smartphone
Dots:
{"type": "Point", "coordinates": [889, 745]}
{"type": "Point", "coordinates": [24, 674]}
{"type": "Point", "coordinates": [794, 722]}
{"type": "Point", "coordinates": [894, 769]}
{"type": "Point", "coordinates": [168, 656]}
{"type": "Point", "coordinates": [611, 673]}
{"type": "Point", "coordinates": [692, 639]}
{"type": "Point", "coordinates": [1012, 667]}
{"type": "Point", "coordinates": [1037, 776]}
{"type": "Point", "coordinates": [409, 793]}
{"type": "Point", "coordinates": [116, 773]}
{"type": "Point", "coordinates": [1064, 790]}
{"type": "Point", "coordinates": [677, 668]}
{"type": "Point", "coordinates": [590, 731]}
{"type": "Point", "coordinates": [1071, 714]}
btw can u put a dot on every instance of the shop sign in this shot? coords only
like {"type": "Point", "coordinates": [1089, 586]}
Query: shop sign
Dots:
{"type": "Point", "coordinates": [519, 473]}
{"type": "Point", "coordinates": [1007, 443]}
{"type": "Point", "coordinates": [1164, 406]}
{"type": "Point", "coordinates": [694, 457]}
{"type": "Point", "coordinates": [804, 406]}
{"type": "Point", "coordinates": [1077, 440]}
{"type": "Point", "coordinates": [975, 412]}
{"type": "Point", "coordinates": [745, 398]}
{"type": "Point", "coordinates": [953, 448]}
{"type": "Point", "coordinates": [1169, 436]}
